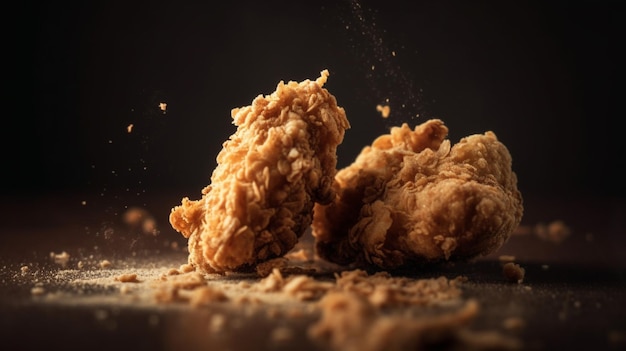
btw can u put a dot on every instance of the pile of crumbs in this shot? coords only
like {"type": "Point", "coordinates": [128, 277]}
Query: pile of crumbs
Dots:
{"type": "Point", "coordinates": [349, 309]}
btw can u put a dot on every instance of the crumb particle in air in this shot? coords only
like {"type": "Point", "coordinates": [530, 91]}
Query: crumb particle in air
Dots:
{"type": "Point", "coordinates": [163, 107]}
{"type": "Point", "coordinates": [384, 110]}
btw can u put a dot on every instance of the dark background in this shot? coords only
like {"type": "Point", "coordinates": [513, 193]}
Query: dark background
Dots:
{"type": "Point", "coordinates": [542, 75]}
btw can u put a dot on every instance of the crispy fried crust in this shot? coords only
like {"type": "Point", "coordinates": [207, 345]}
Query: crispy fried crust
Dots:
{"type": "Point", "coordinates": [412, 198]}
{"type": "Point", "coordinates": [279, 162]}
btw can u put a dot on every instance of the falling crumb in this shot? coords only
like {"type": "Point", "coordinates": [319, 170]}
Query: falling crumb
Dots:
{"type": "Point", "coordinates": [61, 259]}
{"type": "Point", "coordinates": [83, 202]}
{"type": "Point", "coordinates": [513, 272]}
{"type": "Point", "coordinates": [545, 267]}
{"type": "Point", "coordinates": [163, 106]}
{"type": "Point", "coordinates": [127, 278]}
{"type": "Point", "coordinates": [105, 264]}
{"type": "Point", "coordinates": [80, 265]}
{"type": "Point", "coordinates": [129, 128]}
{"type": "Point", "coordinates": [24, 269]}
{"type": "Point", "coordinates": [384, 110]}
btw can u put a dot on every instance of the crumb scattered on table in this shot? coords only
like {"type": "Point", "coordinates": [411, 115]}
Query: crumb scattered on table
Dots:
{"type": "Point", "coordinates": [513, 272]}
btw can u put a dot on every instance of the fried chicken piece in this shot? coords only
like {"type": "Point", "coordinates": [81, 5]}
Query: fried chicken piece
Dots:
{"type": "Point", "coordinates": [279, 162]}
{"type": "Point", "coordinates": [411, 198]}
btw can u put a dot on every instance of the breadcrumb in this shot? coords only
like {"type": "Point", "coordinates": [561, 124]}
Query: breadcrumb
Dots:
{"type": "Point", "coordinates": [61, 259]}
{"type": "Point", "coordinates": [384, 110]}
{"type": "Point", "coordinates": [104, 264]}
{"type": "Point", "coordinates": [127, 278]}
{"type": "Point", "coordinates": [513, 272]}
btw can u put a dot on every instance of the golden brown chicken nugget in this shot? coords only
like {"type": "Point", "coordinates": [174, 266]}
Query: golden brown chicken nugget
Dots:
{"type": "Point", "coordinates": [411, 197]}
{"type": "Point", "coordinates": [279, 162]}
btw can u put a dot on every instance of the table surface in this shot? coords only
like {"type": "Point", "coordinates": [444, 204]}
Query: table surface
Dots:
{"type": "Point", "coordinates": [572, 295]}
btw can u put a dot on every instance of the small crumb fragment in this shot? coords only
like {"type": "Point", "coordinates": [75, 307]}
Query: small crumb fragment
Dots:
{"type": "Point", "coordinates": [80, 265]}
{"type": "Point", "coordinates": [24, 269]}
{"type": "Point", "coordinates": [163, 107]}
{"type": "Point", "coordinates": [127, 278]}
{"type": "Point", "coordinates": [104, 264]}
{"type": "Point", "coordinates": [384, 110]}
{"type": "Point", "coordinates": [298, 255]}
{"type": "Point", "coordinates": [129, 128]}
{"type": "Point", "coordinates": [206, 295]}
{"type": "Point", "coordinates": [61, 259]}
{"type": "Point", "coordinates": [513, 272]}
{"type": "Point", "coordinates": [37, 291]}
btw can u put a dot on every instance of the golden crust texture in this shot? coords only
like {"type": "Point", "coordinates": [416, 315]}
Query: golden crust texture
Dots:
{"type": "Point", "coordinates": [279, 162]}
{"type": "Point", "coordinates": [412, 198]}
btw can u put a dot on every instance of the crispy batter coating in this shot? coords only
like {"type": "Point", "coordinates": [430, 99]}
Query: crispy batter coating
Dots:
{"type": "Point", "coordinates": [279, 162]}
{"type": "Point", "coordinates": [412, 198]}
